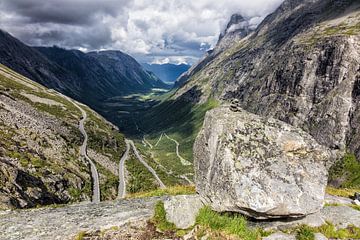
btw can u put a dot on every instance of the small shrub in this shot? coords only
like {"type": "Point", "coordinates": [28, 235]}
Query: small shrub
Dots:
{"type": "Point", "coordinates": [305, 233]}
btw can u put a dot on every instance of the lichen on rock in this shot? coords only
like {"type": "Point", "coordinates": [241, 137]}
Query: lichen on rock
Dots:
{"type": "Point", "coordinates": [259, 166]}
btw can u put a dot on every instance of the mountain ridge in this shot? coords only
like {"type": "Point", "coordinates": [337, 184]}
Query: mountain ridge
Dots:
{"type": "Point", "coordinates": [76, 73]}
{"type": "Point", "coordinates": [270, 67]}
{"type": "Point", "coordinates": [167, 72]}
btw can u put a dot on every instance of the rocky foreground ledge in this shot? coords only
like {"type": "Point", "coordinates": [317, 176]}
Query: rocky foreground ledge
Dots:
{"type": "Point", "coordinates": [130, 216]}
{"type": "Point", "coordinates": [66, 222]}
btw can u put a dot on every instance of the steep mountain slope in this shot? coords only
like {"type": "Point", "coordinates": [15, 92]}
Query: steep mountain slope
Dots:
{"type": "Point", "coordinates": [167, 72]}
{"type": "Point", "coordinates": [237, 28]}
{"type": "Point", "coordinates": [40, 161]}
{"type": "Point", "coordinates": [29, 62]}
{"type": "Point", "coordinates": [301, 65]}
{"type": "Point", "coordinates": [100, 75]}
{"type": "Point", "coordinates": [127, 68]}
{"type": "Point", "coordinates": [106, 73]}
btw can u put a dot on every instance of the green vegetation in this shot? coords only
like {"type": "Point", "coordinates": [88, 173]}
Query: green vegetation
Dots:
{"type": "Point", "coordinates": [16, 143]}
{"type": "Point", "coordinates": [346, 172]}
{"type": "Point", "coordinates": [172, 191]}
{"type": "Point", "coordinates": [356, 207]}
{"type": "Point", "coordinates": [103, 138]}
{"type": "Point", "coordinates": [230, 223]}
{"type": "Point", "coordinates": [80, 236]}
{"type": "Point", "coordinates": [341, 29]}
{"type": "Point", "coordinates": [181, 121]}
{"type": "Point", "coordinates": [140, 179]}
{"type": "Point", "coordinates": [152, 114]}
{"type": "Point", "coordinates": [304, 232]}
{"type": "Point", "coordinates": [159, 218]}
{"type": "Point", "coordinates": [169, 178]}
{"type": "Point", "coordinates": [341, 192]}
{"type": "Point", "coordinates": [108, 183]}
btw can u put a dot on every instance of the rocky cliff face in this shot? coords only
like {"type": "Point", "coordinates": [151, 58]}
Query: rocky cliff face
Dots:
{"type": "Point", "coordinates": [301, 65]}
{"type": "Point", "coordinates": [237, 28]}
{"type": "Point", "coordinates": [40, 163]}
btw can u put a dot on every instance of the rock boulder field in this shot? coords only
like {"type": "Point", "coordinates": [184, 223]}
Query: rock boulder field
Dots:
{"type": "Point", "coordinates": [261, 167]}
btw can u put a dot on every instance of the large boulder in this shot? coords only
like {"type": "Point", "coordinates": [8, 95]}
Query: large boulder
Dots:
{"type": "Point", "coordinates": [258, 166]}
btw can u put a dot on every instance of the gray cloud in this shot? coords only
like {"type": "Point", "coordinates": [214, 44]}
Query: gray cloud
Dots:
{"type": "Point", "coordinates": [74, 12]}
{"type": "Point", "coordinates": [161, 31]}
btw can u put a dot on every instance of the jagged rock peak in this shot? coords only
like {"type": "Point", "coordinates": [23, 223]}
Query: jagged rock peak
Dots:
{"type": "Point", "coordinates": [238, 25]}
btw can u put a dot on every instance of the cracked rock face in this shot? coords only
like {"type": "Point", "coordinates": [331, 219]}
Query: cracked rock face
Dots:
{"type": "Point", "coordinates": [301, 66]}
{"type": "Point", "coordinates": [258, 166]}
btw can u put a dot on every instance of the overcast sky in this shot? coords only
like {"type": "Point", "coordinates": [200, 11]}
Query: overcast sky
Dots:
{"type": "Point", "coordinates": [152, 31]}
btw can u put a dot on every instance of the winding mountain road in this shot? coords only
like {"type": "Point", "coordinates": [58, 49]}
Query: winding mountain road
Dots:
{"type": "Point", "coordinates": [122, 183]}
{"type": "Point", "coordinates": [158, 141]}
{"type": "Point", "coordinates": [83, 152]}
{"type": "Point", "coordinates": [147, 142]}
{"type": "Point", "coordinates": [183, 161]}
{"type": "Point", "coordinates": [138, 156]}
{"type": "Point", "coordinates": [170, 172]}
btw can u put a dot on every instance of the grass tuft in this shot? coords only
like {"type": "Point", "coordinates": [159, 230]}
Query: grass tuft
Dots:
{"type": "Point", "coordinates": [341, 192]}
{"type": "Point", "coordinates": [173, 191]}
{"type": "Point", "coordinates": [159, 218]}
{"type": "Point", "coordinates": [305, 233]}
{"type": "Point", "coordinates": [346, 172]}
{"type": "Point", "coordinates": [80, 236]}
{"type": "Point", "coordinates": [230, 223]}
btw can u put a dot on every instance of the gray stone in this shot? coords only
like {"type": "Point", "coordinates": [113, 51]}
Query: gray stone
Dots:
{"type": "Point", "coordinates": [280, 236]}
{"type": "Point", "coordinates": [330, 199]}
{"type": "Point", "coordinates": [65, 222]}
{"type": "Point", "coordinates": [260, 167]}
{"type": "Point", "coordinates": [313, 220]}
{"type": "Point", "coordinates": [356, 196]}
{"type": "Point", "coordinates": [182, 210]}
{"type": "Point", "coordinates": [341, 216]}
{"type": "Point", "coordinates": [319, 236]}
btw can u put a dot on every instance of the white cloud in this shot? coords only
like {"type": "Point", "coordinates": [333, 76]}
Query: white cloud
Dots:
{"type": "Point", "coordinates": [162, 30]}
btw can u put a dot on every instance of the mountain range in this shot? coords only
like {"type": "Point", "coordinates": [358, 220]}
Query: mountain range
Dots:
{"type": "Point", "coordinates": [101, 75]}
{"type": "Point", "coordinates": [300, 66]}
{"type": "Point", "coordinates": [167, 72]}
